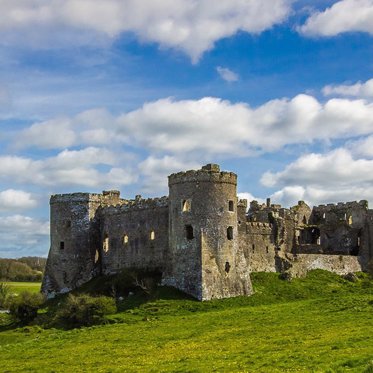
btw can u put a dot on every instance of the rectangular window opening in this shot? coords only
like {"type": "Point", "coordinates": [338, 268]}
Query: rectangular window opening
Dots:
{"type": "Point", "coordinates": [230, 205]}
{"type": "Point", "coordinates": [230, 233]}
{"type": "Point", "coordinates": [62, 245]}
{"type": "Point", "coordinates": [189, 232]}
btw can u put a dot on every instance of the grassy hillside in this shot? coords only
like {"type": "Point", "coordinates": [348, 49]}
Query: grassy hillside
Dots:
{"type": "Point", "coordinates": [17, 287]}
{"type": "Point", "coordinates": [319, 324]}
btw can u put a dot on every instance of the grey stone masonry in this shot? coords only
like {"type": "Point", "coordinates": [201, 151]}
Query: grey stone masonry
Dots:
{"type": "Point", "coordinates": [201, 238]}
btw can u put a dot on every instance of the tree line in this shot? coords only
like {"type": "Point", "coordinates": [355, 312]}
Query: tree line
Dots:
{"type": "Point", "coordinates": [29, 268]}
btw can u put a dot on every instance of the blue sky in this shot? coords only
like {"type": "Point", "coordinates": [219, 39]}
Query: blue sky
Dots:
{"type": "Point", "coordinates": [117, 94]}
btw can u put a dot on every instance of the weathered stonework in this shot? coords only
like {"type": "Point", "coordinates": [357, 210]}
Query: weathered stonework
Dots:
{"type": "Point", "coordinates": [201, 238]}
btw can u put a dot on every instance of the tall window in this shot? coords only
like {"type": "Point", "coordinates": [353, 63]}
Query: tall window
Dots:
{"type": "Point", "coordinates": [230, 205]}
{"type": "Point", "coordinates": [105, 244]}
{"type": "Point", "coordinates": [189, 232]}
{"type": "Point", "coordinates": [152, 235]}
{"type": "Point", "coordinates": [62, 245]}
{"type": "Point", "coordinates": [230, 233]}
{"type": "Point", "coordinates": [186, 205]}
{"type": "Point", "coordinates": [125, 239]}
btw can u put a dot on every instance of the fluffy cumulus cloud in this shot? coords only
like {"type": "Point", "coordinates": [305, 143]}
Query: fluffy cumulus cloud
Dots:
{"type": "Point", "coordinates": [211, 126]}
{"type": "Point", "coordinates": [21, 234]}
{"type": "Point", "coordinates": [11, 200]}
{"type": "Point", "coordinates": [192, 26]}
{"type": "Point", "coordinates": [69, 167]}
{"type": "Point", "coordinates": [319, 178]}
{"type": "Point", "coordinates": [343, 16]}
{"type": "Point", "coordinates": [93, 127]}
{"type": "Point", "coordinates": [155, 171]}
{"type": "Point", "coordinates": [358, 89]}
{"type": "Point", "coordinates": [227, 74]}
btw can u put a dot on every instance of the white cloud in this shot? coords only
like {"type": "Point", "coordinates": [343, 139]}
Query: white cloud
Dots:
{"type": "Point", "coordinates": [11, 199]}
{"type": "Point", "coordinates": [155, 172]}
{"type": "Point", "coordinates": [335, 169]}
{"type": "Point", "coordinates": [22, 235]}
{"type": "Point", "coordinates": [343, 16]}
{"type": "Point", "coordinates": [362, 147]}
{"type": "Point", "coordinates": [51, 134]}
{"type": "Point", "coordinates": [191, 26]}
{"type": "Point", "coordinates": [323, 178]}
{"type": "Point", "coordinates": [227, 74]}
{"type": "Point", "coordinates": [358, 89]}
{"type": "Point", "coordinates": [207, 128]}
{"type": "Point", "coordinates": [69, 167]}
{"type": "Point", "coordinates": [211, 126]}
{"type": "Point", "coordinates": [93, 127]}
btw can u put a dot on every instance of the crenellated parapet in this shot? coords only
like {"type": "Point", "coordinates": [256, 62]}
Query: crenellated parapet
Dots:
{"type": "Point", "coordinates": [138, 203]}
{"type": "Point", "coordinates": [209, 173]}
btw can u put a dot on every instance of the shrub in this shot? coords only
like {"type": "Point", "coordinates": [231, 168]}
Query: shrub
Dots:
{"type": "Point", "coordinates": [24, 307]}
{"type": "Point", "coordinates": [4, 294]}
{"type": "Point", "coordinates": [84, 310]}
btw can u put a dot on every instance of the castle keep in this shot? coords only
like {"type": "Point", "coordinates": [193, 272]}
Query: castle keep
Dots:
{"type": "Point", "coordinates": [201, 238]}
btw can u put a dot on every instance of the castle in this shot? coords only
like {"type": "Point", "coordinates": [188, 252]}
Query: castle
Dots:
{"type": "Point", "coordinates": [201, 238]}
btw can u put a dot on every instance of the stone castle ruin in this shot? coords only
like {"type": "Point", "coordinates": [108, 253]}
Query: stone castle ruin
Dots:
{"type": "Point", "coordinates": [201, 238]}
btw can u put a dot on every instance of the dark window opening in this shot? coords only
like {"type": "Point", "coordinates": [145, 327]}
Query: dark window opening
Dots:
{"type": "Point", "coordinates": [227, 267]}
{"type": "Point", "coordinates": [230, 233]}
{"type": "Point", "coordinates": [253, 247]}
{"type": "Point", "coordinates": [189, 232]}
{"type": "Point", "coordinates": [68, 223]}
{"type": "Point", "coordinates": [230, 206]}
{"type": "Point", "coordinates": [315, 236]}
{"type": "Point", "coordinates": [62, 245]}
{"type": "Point", "coordinates": [304, 220]}
{"type": "Point", "coordinates": [267, 249]}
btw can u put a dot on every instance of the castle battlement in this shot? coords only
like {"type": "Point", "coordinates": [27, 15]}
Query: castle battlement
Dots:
{"type": "Point", "coordinates": [135, 204]}
{"type": "Point", "coordinates": [208, 173]}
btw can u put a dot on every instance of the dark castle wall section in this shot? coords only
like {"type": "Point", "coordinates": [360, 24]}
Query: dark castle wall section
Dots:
{"type": "Point", "coordinates": [341, 227]}
{"type": "Point", "coordinates": [134, 235]}
{"type": "Point", "coordinates": [74, 239]}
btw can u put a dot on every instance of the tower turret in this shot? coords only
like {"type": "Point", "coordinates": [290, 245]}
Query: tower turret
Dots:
{"type": "Point", "coordinates": [73, 256]}
{"type": "Point", "coordinates": [205, 258]}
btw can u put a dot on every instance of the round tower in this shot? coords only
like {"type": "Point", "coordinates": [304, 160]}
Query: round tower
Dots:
{"type": "Point", "coordinates": [205, 258]}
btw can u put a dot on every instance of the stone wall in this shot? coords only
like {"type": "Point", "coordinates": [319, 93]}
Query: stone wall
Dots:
{"type": "Point", "coordinates": [134, 235]}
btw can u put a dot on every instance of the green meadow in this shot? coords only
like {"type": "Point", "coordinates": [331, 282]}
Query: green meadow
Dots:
{"type": "Point", "coordinates": [17, 287]}
{"type": "Point", "coordinates": [322, 323]}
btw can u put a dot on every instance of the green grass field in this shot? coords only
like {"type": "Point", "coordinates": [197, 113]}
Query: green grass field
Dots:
{"type": "Point", "coordinates": [17, 287]}
{"type": "Point", "coordinates": [319, 324]}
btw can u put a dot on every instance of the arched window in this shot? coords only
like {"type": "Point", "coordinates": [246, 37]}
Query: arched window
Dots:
{"type": "Point", "coordinates": [152, 235]}
{"type": "Point", "coordinates": [186, 205]}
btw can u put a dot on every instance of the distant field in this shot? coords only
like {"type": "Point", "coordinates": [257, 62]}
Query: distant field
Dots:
{"type": "Point", "coordinates": [319, 324]}
{"type": "Point", "coordinates": [17, 287]}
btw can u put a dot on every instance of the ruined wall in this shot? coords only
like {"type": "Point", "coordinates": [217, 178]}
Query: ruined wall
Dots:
{"type": "Point", "coordinates": [300, 264]}
{"type": "Point", "coordinates": [134, 235]}
{"type": "Point", "coordinates": [341, 227]}
{"type": "Point", "coordinates": [206, 260]}
{"type": "Point", "coordinates": [259, 246]}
